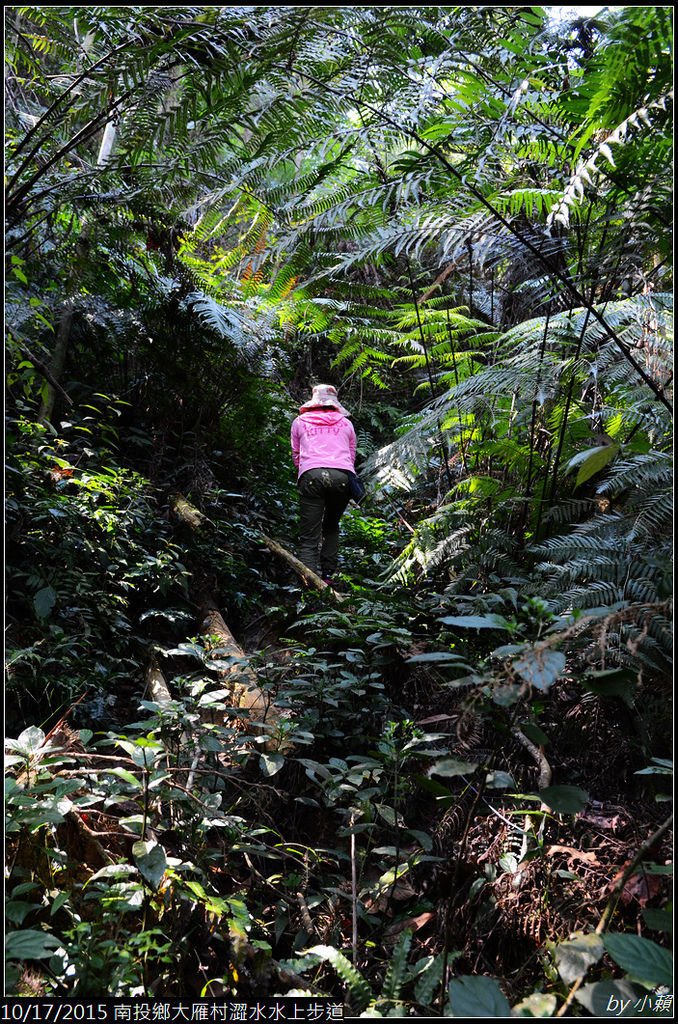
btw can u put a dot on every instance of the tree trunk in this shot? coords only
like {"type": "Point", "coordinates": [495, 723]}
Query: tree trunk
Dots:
{"type": "Point", "coordinates": [56, 364]}
{"type": "Point", "coordinates": [186, 512]}
{"type": "Point", "coordinates": [58, 360]}
{"type": "Point", "coordinates": [308, 576]}
{"type": "Point", "coordinates": [156, 686]}
{"type": "Point", "coordinates": [247, 694]}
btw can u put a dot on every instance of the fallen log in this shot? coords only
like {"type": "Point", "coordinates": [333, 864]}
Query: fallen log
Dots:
{"type": "Point", "coordinates": [194, 518]}
{"type": "Point", "coordinates": [247, 694]}
{"type": "Point", "coordinates": [186, 512]}
{"type": "Point", "coordinates": [156, 686]}
{"type": "Point", "coordinates": [307, 575]}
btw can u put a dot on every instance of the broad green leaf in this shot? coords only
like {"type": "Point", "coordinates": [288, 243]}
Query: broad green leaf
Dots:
{"type": "Point", "coordinates": [44, 602]}
{"type": "Point", "coordinates": [30, 740]}
{"type": "Point", "coordinates": [506, 650]}
{"type": "Point", "coordinates": [612, 682]}
{"type": "Point", "coordinates": [450, 767]}
{"type": "Point", "coordinates": [499, 780]}
{"type": "Point", "coordinates": [123, 773]}
{"type": "Point", "coordinates": [508, 862]}
{"type": "Point", "coordinates": [423, 838]}
{"type": "Point", "coordinates": [607, 999]}
{"type": "Point", "coordinates": [659, 920]}
{"type": "Point", "coordinates": [58, 902]}
{"type": "Point", "coordinates": [30, 944]}
{"type": "Point", "coordinates": [507, 694]}
{"type": "Point", "coordinates": [17, 911]}
{"type": "Point", "coordinates": [390, 815]}
{"type": "Point", "coordinates": [540, 666]}
{"type": "Point", "coordinates": [476, 997]}
{"type": "Point", "coordinates": [660, 766]}
{"type": "Point", "coordinates": [591, 461]}
{"type": "Point", "coordinates": [112, 871]}
{"type": "Point", "coordinates": [430, 972]}
{"type": "Point", "coordinates": [476, 621]}
{"type": "Point", "coordinates": [151, 860]}
{"type": "Point", "coordinates": [576, 955]}
{"type": "Point", "coordinates": [270, 764]}
{"type": "Point", "coordinates": [564, 799]}
{"type": "Point", "coordinates": [434, 656]}
{"type": "Point", "coordinates": [143, 752]}
{"type": "Point", "coordinates": [214, 904]}
{"type": "Point", "coordinates": [534, 733]}
{"type": "Point", "coordinates": [643, 960]}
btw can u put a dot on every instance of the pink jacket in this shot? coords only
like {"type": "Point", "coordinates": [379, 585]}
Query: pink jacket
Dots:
{"type": "Point", "coordinates": [323, 438]}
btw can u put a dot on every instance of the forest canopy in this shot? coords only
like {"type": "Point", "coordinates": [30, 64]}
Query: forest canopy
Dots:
{"type": "Point", "coordinates": [439, 786]}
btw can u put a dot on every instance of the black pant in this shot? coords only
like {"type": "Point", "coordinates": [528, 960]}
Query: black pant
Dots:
{"type": "Point", "coordinates": [323, 500]}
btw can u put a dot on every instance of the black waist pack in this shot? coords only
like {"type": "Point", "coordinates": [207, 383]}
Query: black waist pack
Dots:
{"type": "Point", "coordinates": [356, 488]}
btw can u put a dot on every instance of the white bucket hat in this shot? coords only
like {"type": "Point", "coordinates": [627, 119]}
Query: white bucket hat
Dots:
{"type": "Point", "coordinates": [324, 397]}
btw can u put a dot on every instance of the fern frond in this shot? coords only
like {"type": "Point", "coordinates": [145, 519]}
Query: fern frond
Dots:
{"type": "Point", "coordinates": [359, 989]}
{"type": "Point", "coordinates": [640, 119]}
{"type": "Point", "coordinates": [396, 971]}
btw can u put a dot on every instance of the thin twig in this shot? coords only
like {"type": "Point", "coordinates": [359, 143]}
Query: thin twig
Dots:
{"type": "Point", "coordinates": [354, 893]}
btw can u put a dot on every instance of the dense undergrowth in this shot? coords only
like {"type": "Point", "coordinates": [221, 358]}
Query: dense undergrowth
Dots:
{"type": "Point", "coordinates": [456, 801]}
{"type": "Point", "coordinates": [431, 798]}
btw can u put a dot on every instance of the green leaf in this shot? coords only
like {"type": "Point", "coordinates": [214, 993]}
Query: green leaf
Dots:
{"type": "Point", "coordinates": [476, 997]}
{"type": "Point", "coordinates": [430, 974]}
{"type": "Point", "coordinates": [434, 656]}
{"type": "Point", "coordinates": [214, 904]}
{"type": "Point", "coordinates": [477, 621]}
{"type": "Point", "coordinates": [270, 764]}
{"type": "Point", "coordinates": [30, 740]}
{"type": "Point", "coordinates": [499, 780]}
{"type": "Point", "coordinates": [44, 602]}
{"type": "Point", "coordinates": [608, 998]}
{"type": "Point", "coordinates": [591, 462]}
{"type": "Point", "coordinates": [389, 815]}
{"type": "Point", "coordinates": [536, 1005]}
{"type": "Point", "coordinates": [59, 900]}
{"type": "Point", "coordinates": [659, 766]}
{"type": "Point", "coordinates": [659, 920]}
{"type": "Point", "coordinates": [450, 767]}
{"type": "Point", "coordinates": [506, 695]}
{"type": "Point", "coordinates": [540, 666]}
{"type": "Point", "coordinates": [151, 860]}
{"type": "Point", "coordinates": [123, 773]}
{"type": "Point", "coordinates": [240, 921]}
{"type": "Point", "coordinates": [612, 682]}
{"type": "Point", "coordinates": [112, 871]}
{"type": "Point", "coordinates": [30, 944]}
{"type": "Point", "coordinates": [534, 733]}
{"type": "Point", "coordinates": [564, 799]}
{"type": "Point", "coordinates": [576, 955]}
{"type": "Point", "coordinates": [17, 911]}
{"type": "Point", "coordinates": [643, 960]}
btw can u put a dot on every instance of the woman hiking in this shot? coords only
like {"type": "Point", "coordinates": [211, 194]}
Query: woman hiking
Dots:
{"type": "Point", "coordinates": [323, 448]}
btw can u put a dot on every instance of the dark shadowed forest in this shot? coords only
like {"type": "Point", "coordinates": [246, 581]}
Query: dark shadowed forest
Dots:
{"type": "Point", "coordinates": [440, 784]}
